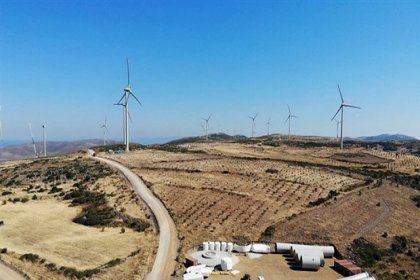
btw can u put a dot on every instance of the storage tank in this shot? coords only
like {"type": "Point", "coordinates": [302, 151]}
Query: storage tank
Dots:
{"type": "Point", "coordinates": [227, 263]}
{"type": "Point", "coordinates": [360, 276]}
{"type": "Point", "coordinates": [223, 246]}
{"type": "Point", "coordinates": [310, 262]}
{"type": "Point", "coordinates": [283, 247]}
{"type": "Point", "coordinates": [205, 246]}
{"type": "Point", "coordinates": [317, 253]}
{"type": "Point", "coordinates": [193, 276]}
{"type": "Point", "coordinates": [229, 247]}
{"type": "Point", "coordinates": [242, 248]}
{"type": "Point", "coordinates": [328, 251]}
{"type": "Point", "coordinates": [211, 246]}
{"type": "Point", "coordinates": [217, 246]}
{"type": "Point", "coordinates": [260, 248]}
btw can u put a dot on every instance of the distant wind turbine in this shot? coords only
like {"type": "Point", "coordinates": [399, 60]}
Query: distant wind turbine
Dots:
{"type": "Point", "coordinates": [32, 137]}
{"type": "Point", "coordinates": [44, 128]}
{"type": "Point", "coordinates": [207, 126]}
{"type": "Point", "coordinates": [341, 108]}
{"type": "Point", "coordinates": [253, 124]}
{"type": "Point", "coordinates": [105, 130]}
{"type": "Point", "coordinates": [338, 123]}
{"type": "Point", "coordinates": [289, 117]}
{"type": "Point", "coordinates": [268, 127]}
{"type": "Point", "coordinates": [124, 102]}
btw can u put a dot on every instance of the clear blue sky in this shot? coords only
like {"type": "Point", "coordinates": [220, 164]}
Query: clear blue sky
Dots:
{"type": "Point", "coordinates": [63, 63]}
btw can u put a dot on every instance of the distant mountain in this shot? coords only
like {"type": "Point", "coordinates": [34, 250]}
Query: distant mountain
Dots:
{"type": "Point", "coordinates": [23, 151]}
{"type": "Point", "coordinates": [212, 137]}
{"type": "Point", "coordinates": [387, 137]}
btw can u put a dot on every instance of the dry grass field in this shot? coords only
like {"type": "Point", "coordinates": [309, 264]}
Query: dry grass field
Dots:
{"type": "Point", "coordinates": [39, 201]}
{"type": "Point", "coordinates": [229, 191]}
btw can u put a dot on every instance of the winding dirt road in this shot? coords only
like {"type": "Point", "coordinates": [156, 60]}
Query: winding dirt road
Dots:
{"type": "Point", "coordinates": [165, 262]}
{"type": "Point", "coordinates": [7, 273]}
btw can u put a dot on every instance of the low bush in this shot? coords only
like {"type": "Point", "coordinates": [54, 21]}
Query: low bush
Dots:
{"type": "Point", "coordinates": [95, 216]}
{"type": "Point", "coordinates": [29, 257]}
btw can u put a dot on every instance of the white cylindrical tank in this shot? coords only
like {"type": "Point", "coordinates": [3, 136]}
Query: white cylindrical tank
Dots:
{"type": "Point", "coordinates": [205, 246]}
{"type": "Point", "coordinates": [223, 246]}
{"type": "Point", "coordinates": [227, 263]}
{"type": "Point", "coordinates": [360, 276]}
{"type": "Point", "coordinates": [217, 246]}
{"type": "Point", "coordinates": [211, 246]}
{"type": "Point", "coordinates": [300, 253]}
{"type": "Point", "coordinates": [242, 248]}
{"type": "Point", "coordinates": [283, 247]}
{"type": "Point", "coordinates": [260, 248]}
{"type": "Point", "coordinates": [310, 262]}
{"type": "Point", "coordinates": [229, 247]}
{"type": "Point", "coordinates": [328, 251]}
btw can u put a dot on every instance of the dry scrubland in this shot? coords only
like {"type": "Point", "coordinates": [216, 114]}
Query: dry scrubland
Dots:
{"type": "Point", "coordinates": [72, 217]}
{"type": "Point", "coordinates": [229, 191]}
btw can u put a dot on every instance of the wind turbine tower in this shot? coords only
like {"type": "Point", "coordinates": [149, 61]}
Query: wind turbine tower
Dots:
{"type": "Point", "coordinates": [44, 128]}
{"type": "Point", "coordinates": [124, 102]}
{"type": "Point", "coordinates": [290, 117]}
{"type": "Point", "coordinates": [32, 137]}
{"type": "Point", "coordinates": [341, 108]}
{"type": "Point", "coordinates": [253, 124]}
{"type": "Point", "coordinates": [105, 130]}
{"type": "Point", "coordinates": [207, 127]}
{"type": "Point", "coordinates": [268, 127]}
{"type": "Point", "coordinates": [338, 123]}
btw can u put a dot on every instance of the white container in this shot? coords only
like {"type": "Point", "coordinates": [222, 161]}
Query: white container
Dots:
{"type": "Point", "coordinates": [260, 248]}
{"type": "Point", "coordinates": [229, 247]}
{"type": "Point", "coordinates": [193, 276]}
{"type": "Point", "coordinates": [227, 264]}
{"type": "Point", "coordinates": [360, 276]}
{"type": "Point", "coordinates": [195, 268]}
{"type": "Point", "coordinates": [300, 253]}
{"type": "Point", "coordinates": [217, 246]}
{"type": "Point", "coordinates": [328, 251]}
{"type": "Point", "coordinates": [223, 246]}
{"type": "Point", "coordinates": [205, 246]}
{"type": "Point", "coordinates": [310, 262]}
{"type": "Point", "coordinates": [242, 248]}
{"type": "Point", "coordinates": [211, 246]}
{"type": "Point", "coordinates": [283, 247]}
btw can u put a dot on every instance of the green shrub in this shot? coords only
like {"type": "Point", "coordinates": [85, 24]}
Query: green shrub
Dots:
{"type": "Point", "coordinates": [95, 216]}
{"type": "Point", "coordinates": [399, 244]}
{"type": "Point", "coordinates": [29, 257]}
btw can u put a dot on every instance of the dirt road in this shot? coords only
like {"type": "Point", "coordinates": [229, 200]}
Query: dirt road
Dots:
{"type": "Point", "coordinates": [7, 273]}
{"type": "Point", "coordinates": [164, 263]}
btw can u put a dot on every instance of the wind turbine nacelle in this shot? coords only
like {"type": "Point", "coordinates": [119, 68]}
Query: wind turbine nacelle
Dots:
{"type": "Point", "coordinates": [128, 89]}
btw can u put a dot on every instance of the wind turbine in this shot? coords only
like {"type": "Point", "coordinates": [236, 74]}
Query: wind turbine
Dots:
{"type": "Point", "coordinates": [105, 130]}
{"type": "Point", "coordinates": [207, 126]}
{"type": "Point", "coordinates": [124, 102]}
{"type": "Point", "coordinates": [253, 124]}
{"type": "Point", "coordinates": [268, 127]}
{"type": "Point", "coordinates": [338, 122]}
{"type": "Point", "coordinates": [44, 128]}
{"type": "Point", "coordinates": [341, 108]}
{"type": "Point", "coordinates": [289, 117]}
{"type": "Point", "coordinates": [32, 137]}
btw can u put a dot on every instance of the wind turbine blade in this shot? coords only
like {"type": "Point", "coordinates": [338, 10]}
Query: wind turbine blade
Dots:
{"type": "Point", "coordinates": [129, 116]}
{"type": "Point", "coordinates": [341, 106]}
{"type": "Point", "coordinates": [287, 119]}
{"type": "Point", "coordinates": [293, 116]}
{"type": "Point", "coordinates": [136, 98]}
{"type": "Point", "coordinates": [209, 117]}
{"type": "Point", "coordinates": [351, 106]}
{"type": "Point", "coordinates": [128, 72]}
{"type": "Point", "coordinates": [256, 115]}
{"type": "Point", "coordinates": [107, 131]}
{"type": "Point", "coordinates": [341, 96]}
{"type": "Point", "coordinates": [288, 107]}
{"type": "Point", "coordinates": [119, 101]}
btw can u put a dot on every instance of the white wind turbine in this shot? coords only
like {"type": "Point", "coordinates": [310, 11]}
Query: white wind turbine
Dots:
{"type": "Point", "coordinates": [207, 126]}
{"type": "Point", "coordinates": [124, 102]}
{"type": "Point", "coordinates": [253, 124]}
{"type": "Point", "coordinates": [33, 141]}
{"type": "Point", "coordinates": [44, 128]}
{"type": "Point", "coordinates": [341, 108]}
{"type": "Point", "coordinates": [105, 130]}
{"type": "Point", "coordinates": [268, 126]}
{"type": "Point", "coordinates": [289, 118]}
